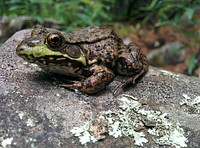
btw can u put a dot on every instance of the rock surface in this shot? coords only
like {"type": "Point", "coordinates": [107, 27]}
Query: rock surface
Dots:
{"type": "Point", "coordinates": [36, 112]}
{"type": "Point", "coordinates": [168, 54]}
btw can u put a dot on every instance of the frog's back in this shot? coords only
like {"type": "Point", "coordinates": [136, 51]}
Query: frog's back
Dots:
{"type": "Point", "coordinates": [89, 34]}
{"type": "Point", "coordinates": [100, 44]}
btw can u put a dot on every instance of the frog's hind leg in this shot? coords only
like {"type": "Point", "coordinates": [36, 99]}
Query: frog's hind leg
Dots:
{"type": "Point", "coordinates": [132, 63]}
{"type": "Point", "coordinates": [100, 77]}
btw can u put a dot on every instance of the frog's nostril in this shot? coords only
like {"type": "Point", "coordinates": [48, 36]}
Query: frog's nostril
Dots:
{"type": "Point", "coordinates": [20, 48]}
{"type": "Point", "coordinates": [31, 43]}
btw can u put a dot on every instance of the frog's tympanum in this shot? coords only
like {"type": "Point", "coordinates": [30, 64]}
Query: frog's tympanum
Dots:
{"type": "Point", "coordinates": [92, 56]}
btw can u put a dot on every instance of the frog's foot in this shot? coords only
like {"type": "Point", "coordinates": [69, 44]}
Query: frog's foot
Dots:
{"type": "Point", "coordinates": [129, 80]}
{"type": "Point", "coordinates": [101, 76]}
{"type": "Point", "coordinates": [132, 63]}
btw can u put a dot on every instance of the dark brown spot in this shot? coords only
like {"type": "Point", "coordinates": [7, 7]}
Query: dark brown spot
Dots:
{"type": "Point", "coordinates": [92, 55]}
{"type": "Point", "coordinates": [99, 48]}
{"type": "Point", "coordinates": [87, 73]}
{"type": "Point", "coordinates": [108, 55]}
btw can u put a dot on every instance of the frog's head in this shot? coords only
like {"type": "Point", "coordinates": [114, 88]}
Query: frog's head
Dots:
{"type": "Point", "coordinates": [45, 47]}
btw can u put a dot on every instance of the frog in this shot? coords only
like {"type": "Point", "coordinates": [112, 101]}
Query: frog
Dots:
{"type": "Point", "coordinates": [89, 58]}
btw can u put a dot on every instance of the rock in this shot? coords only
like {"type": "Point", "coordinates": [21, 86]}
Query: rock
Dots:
{"type": "Point", "coordinates": [8, 26]}
{"type": "Point", "coordinates": [161, 109]}
{"type": "Point", "coordinates": [197, 72]}
{"type": "Point", "coordinates": [151, 39]}
{"type": "Point", "coordinates": [127, 40]}
{"type": "Point", "coordinates": [169, 54]}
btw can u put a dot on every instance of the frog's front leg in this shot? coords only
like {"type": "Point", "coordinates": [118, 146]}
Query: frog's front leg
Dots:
{"type": "Point", "coordinates": [100, 77]}
{"type": "Point", "coordinates": [131, 62]}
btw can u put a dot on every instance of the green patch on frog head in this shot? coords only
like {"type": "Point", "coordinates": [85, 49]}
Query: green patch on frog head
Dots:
{"type": "Point", "coordinates": [34, 50]}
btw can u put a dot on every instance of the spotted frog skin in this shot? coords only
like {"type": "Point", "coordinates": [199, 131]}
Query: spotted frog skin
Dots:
{"type": "Point", "coordinates": [93, 56]}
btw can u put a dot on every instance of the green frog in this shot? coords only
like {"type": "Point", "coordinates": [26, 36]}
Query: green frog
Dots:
{"type": "Point", "coordinates": [92, 56]}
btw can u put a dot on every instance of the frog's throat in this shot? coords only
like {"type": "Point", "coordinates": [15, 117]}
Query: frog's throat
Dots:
{"type": "Point", "coordinates": [43, 52]}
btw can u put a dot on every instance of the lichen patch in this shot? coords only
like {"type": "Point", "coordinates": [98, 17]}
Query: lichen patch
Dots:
{"type": "Point", "coordinates": [191, 104]}
{"type": "Point", "coordinates": [129, 118]}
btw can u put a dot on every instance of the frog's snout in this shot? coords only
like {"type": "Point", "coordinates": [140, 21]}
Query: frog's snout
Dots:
{"type": "Point", "coordinates": [21, 47]}
{"type": "Point", "coordinates": [27, 44]}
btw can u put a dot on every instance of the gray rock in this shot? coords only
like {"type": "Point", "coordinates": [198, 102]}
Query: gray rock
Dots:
{"type": "Point", "coordinates": [8, 26]}
{"type": "Point", "coordinates": [36, 112]}
{"type": "Point", "coordinates": [169, 54]}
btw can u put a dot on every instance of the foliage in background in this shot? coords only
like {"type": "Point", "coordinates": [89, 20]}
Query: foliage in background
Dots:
{"type": "Point", "coordinates": [72, 13]}
{"type": "Point", "coordinates": [194, 45]}
{"type": "Point", "coordinates": [158, 12]}
{"type": "Point", "coordinates": [78, 13]}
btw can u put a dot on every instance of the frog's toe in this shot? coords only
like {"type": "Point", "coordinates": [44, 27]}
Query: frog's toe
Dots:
{"type": "Point", "coordinates": [79, 86]}
{"type": "Point", "coordinates": [76, 85]}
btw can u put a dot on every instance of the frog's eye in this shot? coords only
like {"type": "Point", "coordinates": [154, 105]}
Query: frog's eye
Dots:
{"type": "Point", "coordinates": [54, 40]}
